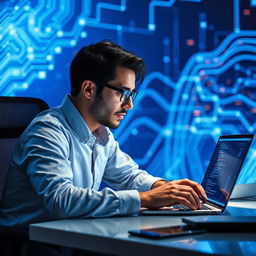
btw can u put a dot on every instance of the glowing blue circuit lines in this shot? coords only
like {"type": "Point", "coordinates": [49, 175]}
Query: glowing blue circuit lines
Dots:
{"type": "Point", "coordinates": [197, 109]}
{"type": "Point", "coordinates": [152, 5]}
{"type": "Point", "coordinates": [30, 38]}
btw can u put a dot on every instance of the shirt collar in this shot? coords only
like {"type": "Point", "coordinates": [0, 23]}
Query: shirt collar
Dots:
{"type": "Point", "coordinates": [79, 125]}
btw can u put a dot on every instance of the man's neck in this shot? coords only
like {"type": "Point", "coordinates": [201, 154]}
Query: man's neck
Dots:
{"type": "Point", "coordinates": [83, 109]}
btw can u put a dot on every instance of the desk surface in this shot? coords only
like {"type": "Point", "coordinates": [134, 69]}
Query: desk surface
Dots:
{"type": "Point", "coordinates": [110, 235]}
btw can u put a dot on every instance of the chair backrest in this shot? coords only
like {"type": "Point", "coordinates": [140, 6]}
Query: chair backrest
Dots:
{"type": "Point", "coordinates": [15, 115]}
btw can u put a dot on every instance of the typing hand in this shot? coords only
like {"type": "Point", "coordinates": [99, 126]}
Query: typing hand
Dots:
{"type": "Point", "coordinates": [183, 191]}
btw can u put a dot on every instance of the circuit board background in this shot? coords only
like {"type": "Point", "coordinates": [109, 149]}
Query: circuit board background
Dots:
{"type": "Point", "coordinates": [201, 73]}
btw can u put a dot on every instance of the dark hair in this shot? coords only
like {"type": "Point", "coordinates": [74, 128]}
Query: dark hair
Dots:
{"type": "Point", "coordinates": [98, 62]}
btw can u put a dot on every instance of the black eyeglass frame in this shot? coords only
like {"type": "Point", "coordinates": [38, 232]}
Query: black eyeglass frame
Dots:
{"type": "Point", "coordinates": [132, 94]}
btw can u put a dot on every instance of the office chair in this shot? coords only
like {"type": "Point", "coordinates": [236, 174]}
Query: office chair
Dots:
{"type": "Point", "coordinates": [15, 115]}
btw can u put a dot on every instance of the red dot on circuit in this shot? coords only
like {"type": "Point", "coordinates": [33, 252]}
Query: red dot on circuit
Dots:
{"type": "Point", "coordinates": [190, 42]}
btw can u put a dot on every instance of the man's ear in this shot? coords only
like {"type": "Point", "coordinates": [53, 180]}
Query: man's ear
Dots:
{"type": "Point", "coordinates": [88, 88]}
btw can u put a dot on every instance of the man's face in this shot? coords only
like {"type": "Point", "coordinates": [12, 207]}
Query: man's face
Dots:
{"type": "Point", "coordinates": [107, 109]}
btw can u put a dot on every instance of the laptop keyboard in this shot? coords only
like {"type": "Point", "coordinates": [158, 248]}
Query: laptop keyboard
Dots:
{"type": "Point", "coordinates": [183, 207]}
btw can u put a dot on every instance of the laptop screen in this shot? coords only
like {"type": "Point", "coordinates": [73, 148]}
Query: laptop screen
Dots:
{"type": "Point", "coordinates": [224, 167]}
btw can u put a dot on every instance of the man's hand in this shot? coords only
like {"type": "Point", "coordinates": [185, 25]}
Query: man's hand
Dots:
{"type": "Point", "coordinates": [183, 191]}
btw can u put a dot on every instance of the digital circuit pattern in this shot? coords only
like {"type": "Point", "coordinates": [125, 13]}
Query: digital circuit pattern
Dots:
{"type": "Point", "coordinates": [201, 73]}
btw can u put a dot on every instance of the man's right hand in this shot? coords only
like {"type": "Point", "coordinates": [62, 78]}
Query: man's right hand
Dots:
{"type": "Point", "coordinates": [183, 191]}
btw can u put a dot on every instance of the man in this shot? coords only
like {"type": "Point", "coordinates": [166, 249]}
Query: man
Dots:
{"type": "Point", "coordinates": [65, 153]}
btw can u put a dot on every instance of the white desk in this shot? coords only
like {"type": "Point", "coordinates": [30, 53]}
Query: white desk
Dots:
{"type": "Point", "coordinates": [110, 235]}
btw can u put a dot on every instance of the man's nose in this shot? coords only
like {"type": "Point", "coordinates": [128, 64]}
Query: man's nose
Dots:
{"type": "Point", "coordinates": [128, 104]}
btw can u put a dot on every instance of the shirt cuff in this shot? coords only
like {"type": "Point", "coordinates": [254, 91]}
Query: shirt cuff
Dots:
{"type": "Point", "coordinates": [147, 184]}
{"type": "Point", "coordinates": [129, 201]}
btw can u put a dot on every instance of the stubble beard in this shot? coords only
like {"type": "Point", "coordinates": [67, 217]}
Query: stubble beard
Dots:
{"type": "Point", "coordinates": [99, 112]}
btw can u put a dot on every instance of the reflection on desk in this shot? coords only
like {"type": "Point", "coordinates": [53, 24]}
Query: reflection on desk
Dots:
{"type": "Point", "coordinates": [110, 235]}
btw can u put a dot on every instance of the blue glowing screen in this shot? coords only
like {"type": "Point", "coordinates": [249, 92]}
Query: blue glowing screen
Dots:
{"type": "Point", "coordinates": [201, 73]}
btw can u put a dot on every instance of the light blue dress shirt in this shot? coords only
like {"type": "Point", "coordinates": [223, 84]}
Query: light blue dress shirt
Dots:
{"type": "Point", "coordinates": [57, 168]}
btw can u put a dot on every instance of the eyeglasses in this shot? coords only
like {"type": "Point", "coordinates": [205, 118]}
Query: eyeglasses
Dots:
{"type": "Point", "coordinates": [125, 93]}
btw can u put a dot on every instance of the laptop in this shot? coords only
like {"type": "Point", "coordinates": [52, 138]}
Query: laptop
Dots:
{"type": "Point", "coordinates": [219, 179]}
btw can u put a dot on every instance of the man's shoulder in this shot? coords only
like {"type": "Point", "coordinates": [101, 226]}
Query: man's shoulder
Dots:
{"type": "Point", "coordinates": [50, 116]}
{"type": "Point", "coordinates": [49, 120]}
